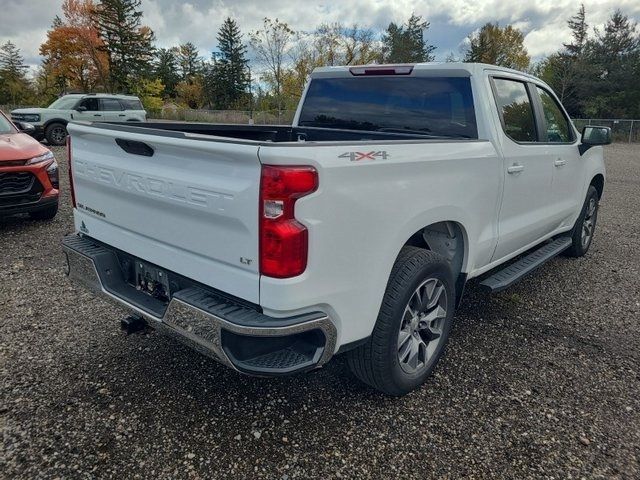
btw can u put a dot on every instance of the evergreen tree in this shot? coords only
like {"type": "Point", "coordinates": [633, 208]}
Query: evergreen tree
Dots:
{"type": "Point", "coordinates": [165, 68]}
{"type": "Point", "coordinates": [613, 59]}
{"type": "Point", "coordinates": [406, 43]}
{"type": "Point", "coordinates": [14, 85]}
{"type": "Point", "coordinates": [11, 63]}
{"type": "Point", "coordinates": [579, 31]}
{"type": "Point", "coordinates": [230, 71]}
{"type": "Point", "coordinates": [128, 43]}
{"type": "Point", "coordinates": [189, 62]}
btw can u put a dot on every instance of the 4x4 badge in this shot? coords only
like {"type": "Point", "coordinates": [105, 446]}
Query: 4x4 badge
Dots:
{"type": "Point", "coordinates": [359, 156]}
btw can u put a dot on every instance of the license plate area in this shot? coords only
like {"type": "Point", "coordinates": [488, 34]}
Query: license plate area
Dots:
{"type": "Point", "coordinates": [151, 280]}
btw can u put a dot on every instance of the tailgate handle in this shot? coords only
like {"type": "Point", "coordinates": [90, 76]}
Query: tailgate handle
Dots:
{"type": "Point", "coordinates": [135, 148]}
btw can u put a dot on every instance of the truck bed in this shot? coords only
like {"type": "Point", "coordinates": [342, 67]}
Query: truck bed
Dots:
{"type": "Point", "coordinates": [260, 133]}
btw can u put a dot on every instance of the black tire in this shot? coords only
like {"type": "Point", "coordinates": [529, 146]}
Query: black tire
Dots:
{"type": "Point", "coordinates": [45, 214]}
{"type": "Point", "coordinates": [578, 246]}
{"type": "Point", "coordinates": [56, 134]}
{"type": "Point", "coordinates": [377, 362]}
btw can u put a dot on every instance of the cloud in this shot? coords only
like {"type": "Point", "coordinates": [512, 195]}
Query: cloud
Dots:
{"type": "Point", "coordinates": [543, 22]}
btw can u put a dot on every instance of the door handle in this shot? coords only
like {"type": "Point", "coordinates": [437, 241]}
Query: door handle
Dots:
{"type": "Point", "coordinates": [121, 115]}
{"type": "Point", "coordinates": [560, 162]}
{"type": "Point", "coordinates": [97, 115]}
{"type": "Point", "coordinates": [515, 168]}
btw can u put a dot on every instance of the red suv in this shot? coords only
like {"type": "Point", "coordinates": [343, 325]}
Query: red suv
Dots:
{"type": "Point", "coordinates": [28, 173]}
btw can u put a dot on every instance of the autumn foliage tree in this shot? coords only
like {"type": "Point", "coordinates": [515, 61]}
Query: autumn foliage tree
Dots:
{"type": "Point", "coordinates": [73, 51]}
{"type": "Point", "coordinates": [498, 46]}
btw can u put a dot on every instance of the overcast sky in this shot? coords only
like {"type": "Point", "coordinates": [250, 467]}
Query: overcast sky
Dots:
{"type": "Point", "coordinates": [25, 22]}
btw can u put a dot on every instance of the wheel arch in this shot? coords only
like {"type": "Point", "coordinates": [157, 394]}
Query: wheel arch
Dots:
{"type": "Point", "coordinates": [55, 120]}
{"type": "Point", "coordinates": [598, 182]}
{"type": "Point", "coordinates": [447, 238]}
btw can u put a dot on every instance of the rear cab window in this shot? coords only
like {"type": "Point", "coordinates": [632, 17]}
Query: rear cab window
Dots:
{"type": "Point", "coordinates": [435, 107]}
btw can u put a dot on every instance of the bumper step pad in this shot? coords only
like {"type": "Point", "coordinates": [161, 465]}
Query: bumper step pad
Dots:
{"type": "Point", "coordinates": [234, 333]}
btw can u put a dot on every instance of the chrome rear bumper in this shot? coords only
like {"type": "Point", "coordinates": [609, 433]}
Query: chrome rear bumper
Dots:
{"type": "Point", "coordinates": [233, 334]}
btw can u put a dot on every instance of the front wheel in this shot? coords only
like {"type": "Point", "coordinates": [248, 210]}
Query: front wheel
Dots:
{"type": "Point", "coordinates": [585, 226]}
{"type": "Point", "coordinates": [56, 134]}
{"type": "Point", "coordinates": [413, 325]}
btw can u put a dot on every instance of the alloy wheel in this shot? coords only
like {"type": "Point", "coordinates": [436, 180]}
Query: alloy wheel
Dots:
{"type": "Point", "coordinates": [422, 325]}
{"type": "Point", "coordinates": [58, 134]}
{"type": "Point", "coordinates": [588, 226]}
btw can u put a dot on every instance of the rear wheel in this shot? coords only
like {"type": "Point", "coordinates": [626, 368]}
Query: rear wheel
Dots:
{"type": "Point", "coordinates": [413, 325]}
{"type": "Point", "coordinates": [56, 134]}
{"type": "Point", "coordinates": [584, 228]}
{"type": "Point", "coordinates": [45, 214]}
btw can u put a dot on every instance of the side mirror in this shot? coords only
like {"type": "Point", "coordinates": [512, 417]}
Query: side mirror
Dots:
{"type": "Point", "coordinates": [592, 136]}
{"type": "Point", "coordinates": [25, 127]}
{"type": "Point", "coordinates": [81, 108]}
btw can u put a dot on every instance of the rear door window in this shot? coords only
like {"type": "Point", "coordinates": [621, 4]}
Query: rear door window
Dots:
{"type": "Point", "coordinates": [516, 110]}
{"type": "Point", "coordinates": [426, 106]}
{"type": "Point", "coordinates": [110, 104]}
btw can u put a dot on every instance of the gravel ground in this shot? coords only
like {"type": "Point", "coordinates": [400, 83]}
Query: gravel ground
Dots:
{"type": "Point", "coordinates": [542, 380]}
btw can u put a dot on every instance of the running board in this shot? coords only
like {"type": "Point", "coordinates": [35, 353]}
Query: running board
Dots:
{"type": "Point", "coordinates": [516, 271]}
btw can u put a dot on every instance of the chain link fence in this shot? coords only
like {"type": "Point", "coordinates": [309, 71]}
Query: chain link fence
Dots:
{"type": "Point", "coordinates": [265, 117]}
{"type": "Point", "coordinates": [247, 117]}
{"type": "Point", "coordinates": [621, 130]}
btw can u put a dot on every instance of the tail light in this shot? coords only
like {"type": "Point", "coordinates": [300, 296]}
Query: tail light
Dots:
{"type": "Point", "coordinates": [284, 241]}
{"type": "Point", "coordinates": [71, 189]}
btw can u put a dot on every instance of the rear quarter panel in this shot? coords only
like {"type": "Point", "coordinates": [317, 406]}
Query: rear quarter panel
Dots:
{"type": "Point", "coordinates": [364, 211]}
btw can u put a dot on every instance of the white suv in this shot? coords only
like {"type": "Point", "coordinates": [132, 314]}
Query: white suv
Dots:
{"type": "Point", "coordinates": [51, 122]}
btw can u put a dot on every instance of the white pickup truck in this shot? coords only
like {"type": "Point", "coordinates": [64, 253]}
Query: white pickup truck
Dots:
{"type": "Point", "coordinates": [274, 248]}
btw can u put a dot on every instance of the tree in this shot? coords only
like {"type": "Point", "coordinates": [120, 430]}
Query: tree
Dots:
{"type": "Point", "coordinates": [271, 44]}
{"type": "Point", "coordinates": [189, 61]}
{"type": "Point", "coordinates": [335, 44]}
{"type": "Point", "coordinates": [566, 71]}
{"type": "Point", "coordinates": [14, 86]}
{"type": "Point", "coordinates": [579, 31]}
{"type": "Point", "coordinates": [558, 70]}
{"type": "Point", "coordinates": [48, 85]}
{"type": "Point", "coordinates": [405, 43]}
{"type": "Point", "coordinates": [498, 46]}
{"type": "Point", "coordinates": [150, 93]}
{"type": "Point", "coordinates": [360, 46]}
{"type": "Point", "coordinates": [191, 93]}
{"type": "Point", "coordinates": [613, 57]}
{"type": "Point", "coordinates": [73, 49]}
{"type": "Point", "coordinates": [165, 69]}
{"type": "Point", "coordinates": [128, 43]}
{"type": "Point", "coordinates": [230, 71]}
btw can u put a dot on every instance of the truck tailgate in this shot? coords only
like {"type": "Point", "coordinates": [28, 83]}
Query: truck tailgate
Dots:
{"type": "Point", "coordinates": [191, 207]}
